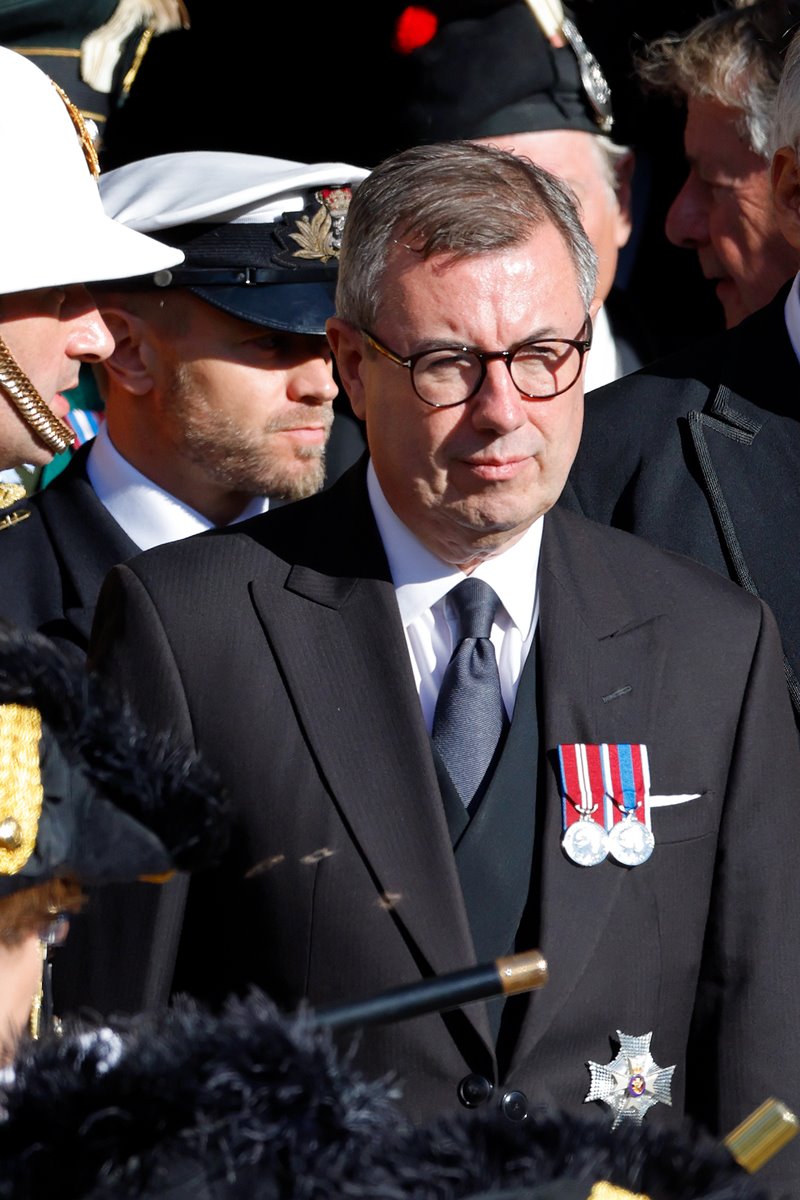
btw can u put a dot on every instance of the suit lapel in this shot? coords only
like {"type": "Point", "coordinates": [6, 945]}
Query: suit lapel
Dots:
{"type": "Point", "coordinates": [86, 539]}
{"type": "Point", "coordinates": [748, 456]}
{"type": "Point", "coordinates": [340, 644]}
{"type": "Point", "coordinates": [601, 661]}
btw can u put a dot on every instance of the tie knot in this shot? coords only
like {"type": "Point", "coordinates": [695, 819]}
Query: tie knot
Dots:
{"type": "Point", "coordinates": [475, 604]}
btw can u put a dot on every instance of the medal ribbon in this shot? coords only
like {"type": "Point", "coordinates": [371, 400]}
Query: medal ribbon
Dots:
{"type": "Point", "coordinates": [627, 773]}
{"type": "Point", "coordinates": [582, 784]}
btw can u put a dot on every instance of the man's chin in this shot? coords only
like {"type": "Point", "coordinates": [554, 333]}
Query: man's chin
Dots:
{"type": "Point", "coordinates": [475, 534]}
{"type": "Point", "coordinates": [59, 405]}
{"type": "Point", "coordinates": [300, 484]}
{"type": "Point", "coordinates": [733, 307]}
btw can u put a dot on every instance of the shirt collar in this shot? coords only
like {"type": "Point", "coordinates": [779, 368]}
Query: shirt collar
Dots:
{"type": "Point", "coordinates": [149, 515]}
{"type": "Point", "coordinates": [791, 312]}
{"type": "Point", "coordinates": [421, 579]}
{"type": "Point", "coordinates": [603, 361]}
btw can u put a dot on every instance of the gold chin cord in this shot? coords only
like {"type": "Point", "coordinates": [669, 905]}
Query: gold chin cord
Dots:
{"type": "Point", "coordinates": [55, 433]}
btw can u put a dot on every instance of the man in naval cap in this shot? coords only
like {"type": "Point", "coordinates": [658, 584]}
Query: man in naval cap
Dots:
{"type": "Point", "coordinates": [54, 237]}
{"type": "Point", "coordinates": [219, 394]}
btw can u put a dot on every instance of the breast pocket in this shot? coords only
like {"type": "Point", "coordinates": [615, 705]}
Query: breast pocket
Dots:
{"type": "Point", "coordinates": [685, 821]}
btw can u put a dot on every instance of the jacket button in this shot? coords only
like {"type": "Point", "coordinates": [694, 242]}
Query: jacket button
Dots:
{"type": "Point", "coordinates": [474, 1090]}
{"type": "Point", "coordinates": [515, 1106]}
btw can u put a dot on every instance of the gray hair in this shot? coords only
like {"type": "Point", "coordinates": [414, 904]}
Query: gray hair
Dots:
{"type": "Point", "coordinates": [454, 198]}
{"type": "Point", "coordinates": [611, 156]}
{"type": "Point", "coordinates": [786, 116]}
{"type": "Point", "coordinates": [733, 57]}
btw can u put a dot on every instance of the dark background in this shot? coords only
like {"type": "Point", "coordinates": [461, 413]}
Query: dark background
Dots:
{"type": "Point", "coordinates": [315, 81]}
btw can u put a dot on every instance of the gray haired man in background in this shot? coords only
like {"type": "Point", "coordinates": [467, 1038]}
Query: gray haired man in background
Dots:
{"type": "Point", "coordinates": [726, 71]}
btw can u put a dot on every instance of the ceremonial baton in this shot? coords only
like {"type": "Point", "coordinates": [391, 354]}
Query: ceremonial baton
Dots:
{"type": "Point", "coordinates": [503, 977]}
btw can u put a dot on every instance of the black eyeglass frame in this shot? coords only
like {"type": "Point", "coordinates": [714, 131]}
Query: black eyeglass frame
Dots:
{"type": "Point", "coordinates": [582, 345]}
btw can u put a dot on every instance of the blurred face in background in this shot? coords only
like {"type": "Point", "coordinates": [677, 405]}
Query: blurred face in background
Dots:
{"type": "Point", "coordinates": [724, 212]}
{"type": "Point", "coordinates": [603, 193]}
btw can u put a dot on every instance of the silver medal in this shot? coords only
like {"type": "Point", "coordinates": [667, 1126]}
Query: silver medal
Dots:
{"type": "Point", "coordinates": [630, 842]}
{"type": "Point", "coordinates": [586, 842]}
{"type": "Point", "coordinates": [633, 1082]}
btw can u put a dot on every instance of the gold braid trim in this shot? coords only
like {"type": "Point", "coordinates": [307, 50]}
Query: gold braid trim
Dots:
{"type": "Point", "coordinates": [85, 138]}
{"type": "Point", "coordinates": [55, 434]}
{"type": "Point", "coordinates": [10, 493]}
{"type": "Point", "coordinates": [50, 51]}
{"type": "Point", "coordinates": [21, 791]}
{"type": "Point", "coordinates": [141, 49]}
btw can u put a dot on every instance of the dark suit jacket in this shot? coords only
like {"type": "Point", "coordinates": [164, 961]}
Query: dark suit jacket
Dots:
{"type": "Point", "coordinates": [700, 453]}
{"type": "Point", "coordinates": [56, 554]}
{"type": "Point", "coordinates": [277, 648]}
{"type": "Point", "coordinates": [632, 340]}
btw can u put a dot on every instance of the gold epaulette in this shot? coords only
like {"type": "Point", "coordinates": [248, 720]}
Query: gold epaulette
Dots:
{"type": "Point", "coordinates": [10, 494]}
{"type": "Point", "coordinates": [21, 791]}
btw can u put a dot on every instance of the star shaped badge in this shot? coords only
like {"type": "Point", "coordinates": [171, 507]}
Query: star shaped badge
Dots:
{"type": "Point", "coordinates": [633, 1082]}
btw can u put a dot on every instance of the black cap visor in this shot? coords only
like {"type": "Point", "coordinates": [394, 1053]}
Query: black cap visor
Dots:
{"type": "Point", "coordinates": [291, 307]}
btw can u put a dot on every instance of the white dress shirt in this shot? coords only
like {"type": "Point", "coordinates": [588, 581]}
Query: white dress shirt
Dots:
{"type": "Point", "coordinates": [603, 362]}
{"type": "Point", "coordinates": [422, 581]}
{"type": "Point", "coordinates": [149, 515]}
{"type": "Point", "coordinates": [791, 312]}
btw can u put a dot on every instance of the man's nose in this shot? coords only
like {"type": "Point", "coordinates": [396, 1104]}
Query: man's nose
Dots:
{"type": "Point", "coordinates": [687, 220]}
{"type": "Point", "coordinates": [89, 338]}
{"type": "Point", "coordinates": [498, 404]}
{"type": "Point", "coordinates": [312, 380]}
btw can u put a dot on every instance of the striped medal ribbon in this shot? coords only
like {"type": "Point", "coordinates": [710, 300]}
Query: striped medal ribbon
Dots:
{"type": "Point", "coordinates": [627, 772]}
{"type": "Point", "coordinates": [586, 807]}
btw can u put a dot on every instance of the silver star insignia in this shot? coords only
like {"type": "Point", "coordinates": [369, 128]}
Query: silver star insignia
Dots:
{"type": "Point", "coordinates": [633, 1082]}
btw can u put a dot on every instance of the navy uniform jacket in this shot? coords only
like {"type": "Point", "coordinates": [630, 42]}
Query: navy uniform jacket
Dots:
{"type": "Point", "coordinates": [55, 553]}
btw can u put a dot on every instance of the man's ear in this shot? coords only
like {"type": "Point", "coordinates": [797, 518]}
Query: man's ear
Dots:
{"type": "Point", "coordinates": [348, 349]}
{"type": "Point", "coordinates": [623, 182]}
{"type": "Point", "coordinates": [786, 194]}
{"type": "Point", "coordinates": [128, 365]}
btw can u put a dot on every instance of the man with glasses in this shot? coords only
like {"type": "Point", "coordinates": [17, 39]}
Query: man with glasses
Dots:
{"type": "Point", "coordinates": [454, 726]}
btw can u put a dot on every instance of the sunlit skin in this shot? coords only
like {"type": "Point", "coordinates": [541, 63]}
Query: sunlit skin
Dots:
{"type": "Point", "coordinates": [21, 972]}
{"type": "Point", "coordinates": [574, 156]}
{"type": "Point", "coordinates": [50, 332]}
{"type": "Point", "coordinates": [785, 175]}
{"type": "Point", "coordinates": [216, 410]}
{"type": "Point", "coordinates": [468, 480]}
{"type": "Point", "coordinates": [724, 211]}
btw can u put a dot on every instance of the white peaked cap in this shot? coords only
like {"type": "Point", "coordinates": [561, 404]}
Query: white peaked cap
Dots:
{"type": "Point", "coordinates": [214, 186]}
{"type": "Point", "coordinates": [53, 230]}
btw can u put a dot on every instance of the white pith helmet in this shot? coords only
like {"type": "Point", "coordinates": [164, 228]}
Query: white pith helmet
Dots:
{"type": "Point", "coordinates": [53, 230]}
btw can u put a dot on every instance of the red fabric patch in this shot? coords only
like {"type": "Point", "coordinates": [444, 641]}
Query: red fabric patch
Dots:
{"type": "Point", "coordinates": [415, 27]}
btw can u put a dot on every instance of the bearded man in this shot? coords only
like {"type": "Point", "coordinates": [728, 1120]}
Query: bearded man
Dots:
{"type": "Point", "coordinates": [219, 392]}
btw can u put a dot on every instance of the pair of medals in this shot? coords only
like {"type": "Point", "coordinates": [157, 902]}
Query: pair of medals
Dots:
{"type": "Point", "coordinates": [605, 794]}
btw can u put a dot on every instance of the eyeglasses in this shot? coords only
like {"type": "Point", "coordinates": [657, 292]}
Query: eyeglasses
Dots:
{"type": "Point", "coordinates": [452, 375]}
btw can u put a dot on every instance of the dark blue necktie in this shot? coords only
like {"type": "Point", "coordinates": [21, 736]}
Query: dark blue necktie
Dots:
{"type": "Point", "coordinates": [470, 717]}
